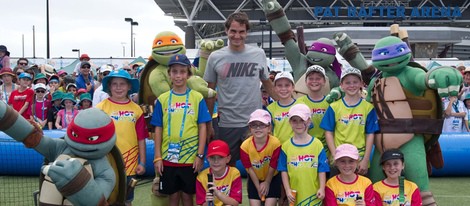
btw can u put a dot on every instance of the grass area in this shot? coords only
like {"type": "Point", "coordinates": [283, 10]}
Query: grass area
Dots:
{"type": "Point", "coordinates": [17, 191]}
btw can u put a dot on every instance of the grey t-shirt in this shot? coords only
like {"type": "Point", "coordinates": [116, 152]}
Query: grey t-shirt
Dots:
{"type": "Point", "coordinates": [238, 76]}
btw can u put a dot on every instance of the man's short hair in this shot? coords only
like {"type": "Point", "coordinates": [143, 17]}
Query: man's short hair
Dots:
{"type": "Point", "coordinates": [240, 17]}
{"type": "Point", "coordinates": [22, 58]}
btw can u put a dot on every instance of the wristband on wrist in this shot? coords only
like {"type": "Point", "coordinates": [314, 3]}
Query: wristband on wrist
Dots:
{"type": "Point", "coordinates": [157, 159]}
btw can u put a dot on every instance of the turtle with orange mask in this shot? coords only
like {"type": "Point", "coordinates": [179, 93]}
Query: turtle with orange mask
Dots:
{"type": "Point", "coordinates": [154, 78]}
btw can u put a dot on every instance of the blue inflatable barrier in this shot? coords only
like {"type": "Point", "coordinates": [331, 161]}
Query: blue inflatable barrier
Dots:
{"type": "Point", "coordinates": [455, 150]}
{"type": "Point", "coordinates": [16, 159]}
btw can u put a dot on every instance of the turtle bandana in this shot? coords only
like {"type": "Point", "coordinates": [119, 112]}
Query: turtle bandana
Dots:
{"type": "Point", "coordinates": [90, 136]}
{"type": "Point", "coordinates": [390, 52]}
{"type": "Point", "coordinates": [322, 47]}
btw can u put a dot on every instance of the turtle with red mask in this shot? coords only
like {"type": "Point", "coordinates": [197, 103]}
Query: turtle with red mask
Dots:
{"type": "Point", "coordinates": [81, 172]}
{"type": "Point", "coordinates": [154, 78]}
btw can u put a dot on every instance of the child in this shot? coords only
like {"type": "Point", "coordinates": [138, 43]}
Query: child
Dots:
{"type": "Point", "coordinates": [21, 98]}
{"type": "Point", "coordinates": [66, 115]}
{"type": "Point", "coordinates": [348, 188]}
{"type": "Point", "coordinates": [351, 120]}
{"type": "Point", "coordinates": [455, 114]}
{"type": "Point", "coordinates": [226, 185]}
{"type": "Point", "coordinates": [283, 86]}
{"type": "Point", "coordinates": [466, 102]}
{"type": "Point", "coordinates": [85, 101]}
{"type": "Point", "coordinates": [54, 81]}
{"type": "Point", "coordinates": [180, 118]}
{"type": "Point", "coordinates": [131, 129]}
{"type": "Point", "coordinates": [55, 108]}
{"type": "Point", "coordinates": [302, 162]}
{"type": "Point", "coordinates": [71, 88]}
{"type": "Point", "coordinates": [40, 105]}
{"type": "Point", "coordinates": [315, 80]}
{"type": "Point", "coordinates": [8, 86]}
{"type": "Point", "coordinates": [387, 191]}
{"type": "Point", "coordinates": [259, 155]}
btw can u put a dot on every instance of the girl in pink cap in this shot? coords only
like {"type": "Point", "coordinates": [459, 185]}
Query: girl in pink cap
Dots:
{"type": "Point", "coordinates": [259, 154]}
{"type": "Point", "coordinates": [348, 188]}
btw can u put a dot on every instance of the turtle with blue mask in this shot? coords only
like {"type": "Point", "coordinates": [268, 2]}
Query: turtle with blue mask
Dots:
{"type": "Point", "coordinates": [407, 99]}
{"type": "Point", "coordinates": [80, 171]}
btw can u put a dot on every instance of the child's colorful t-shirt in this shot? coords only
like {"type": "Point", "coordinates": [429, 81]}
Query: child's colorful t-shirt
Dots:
{"type": "Point", "coordinates": [52, 115]}
{"type": "Point", "coordinates": [66, 117]}
{"type": "Point", "coordinates": [19, 99]}
{"type": "Point", "coordinates": [318, 109]}
{"type": "Point", "coordinates": [341, 193]}
{"type": "Point", "coordinates": [280, 120]}
{"type": "Point", "coordinates": [389, 195]}
{"type": "Point", "coordinates": [350, 124]}
{"type": "Point", "coordinates": [130, 129]}
{"type": "Point", "coordinates": [229, 184]}
{"type": "Point", "coordinates": [260, 160]}
{"type": "Point", "coordinates": [40, 109]}
{"type": "Point", "coordinates": [302, 164]}
{"type": "Point", "coordinates": [180, 115]}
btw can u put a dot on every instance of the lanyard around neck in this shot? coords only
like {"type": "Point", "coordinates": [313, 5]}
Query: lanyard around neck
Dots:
{"type": "Point", "coordinates": [42, 108]}
{"type": "Point", "coordinates": [170, 111]}
{"type": "Point", "coordinates": [65, 118]}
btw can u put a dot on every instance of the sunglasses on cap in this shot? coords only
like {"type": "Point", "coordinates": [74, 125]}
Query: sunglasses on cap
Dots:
{"type": "Point", "coordinates": [40, 91]}
{"type": "Point", "coordinates": [18, 73]}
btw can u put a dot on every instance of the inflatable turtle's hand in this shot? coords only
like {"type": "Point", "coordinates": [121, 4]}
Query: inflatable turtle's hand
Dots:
{"type": "Point", "coordinates": [210, 45]}
{"type": "Point", "coordinates": [335, 94]}
{"type": "Point", "coordinates": [446, 80]}
{"type": "Point", "coordinates": [206, 48]}
{"type": "Point", "coordinates": [198, 84]}
{"type": "Point", "coordinates": [74, 182]}
{"type": "Point", "coordinates": [270, 6]}
{"type": "Point", "coordinates": [344, 41]}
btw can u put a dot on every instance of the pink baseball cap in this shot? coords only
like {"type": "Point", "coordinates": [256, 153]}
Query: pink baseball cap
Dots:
{"type": "Point", "coordinates": [260, 115]}
{"type": "Point", "coordinates": [300, 110]}
{"type": "Point", "coordinates": [347, 150]}
{"type": "Point", "coordinates": [62, 72]}
{"type": "Point", "coordinates": [218, 147]}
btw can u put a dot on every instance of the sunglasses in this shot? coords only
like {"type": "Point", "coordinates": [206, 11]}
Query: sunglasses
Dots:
{"type": "Point", "coordinates": [40, 91]}
{"type": "Point", "coordinates": [86, 67]}
{"type": "Point", "coordinates": [24, 64]}
{"type": "Point", "coordinates": [18, 73]}
{"type": "Point", "coordinates": [127, 70]}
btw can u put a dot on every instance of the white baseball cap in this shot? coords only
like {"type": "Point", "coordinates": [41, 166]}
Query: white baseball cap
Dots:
{"type": "Point", "coordinates": [284, 75]}
{"type": "Point", "coordinates": [39, 86]}
{"type": "Point", "coordinates": [351, 71]}
{"type": "Point", "coordinates": [315, 68]}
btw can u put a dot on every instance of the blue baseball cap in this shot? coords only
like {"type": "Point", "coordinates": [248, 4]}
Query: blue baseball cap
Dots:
{"type": "Point", "coordinates": [25, 75]}
{"type": "Point", "coordinates": [179, 59]}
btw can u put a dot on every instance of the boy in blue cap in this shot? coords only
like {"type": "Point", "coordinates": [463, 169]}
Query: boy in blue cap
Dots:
{"type": "Point", "coordinates": [22, 98]}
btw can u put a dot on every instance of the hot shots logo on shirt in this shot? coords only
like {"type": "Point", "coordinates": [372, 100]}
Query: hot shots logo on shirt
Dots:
{"type": "Point", "coordinates": [318, 112]}
{"type": "Point", "coordinates": [389, 199]}
{"type": "Point", "coordinates": [260, 163]}
{"type": "Point", "coordinates": [124, 115]}
{"type": "Point", "coordinates": [353, 119]}
{"type": "Point", "coordinates": [281, 116]}
{"type": "Point", "coordinates": [303, 161]}
{"type": "Point", "coordinates": [177, 106]}
{"type": "Point", "coordinates": [348, 196]}
{"type": "Point", "coordinates": [224, 189]}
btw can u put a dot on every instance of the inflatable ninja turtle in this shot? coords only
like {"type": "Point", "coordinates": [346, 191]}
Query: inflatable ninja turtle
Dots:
{"type": "Point", "coordinates": [408, 104]}
{"type": "Point", "coordinates": [322, 51]}
{"type": "Point", "coordinates": [81, 173]}
{"type": "Point", "coordinates": [154, 78]}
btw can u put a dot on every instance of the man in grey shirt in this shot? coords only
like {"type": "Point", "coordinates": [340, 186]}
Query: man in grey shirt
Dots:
{"type": "Point", "coordinates": [236, 70]}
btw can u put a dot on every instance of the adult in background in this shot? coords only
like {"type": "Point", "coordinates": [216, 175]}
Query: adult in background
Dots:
{"type": "Point", "coordinates": [99, 94]}
{"type": "Point", "coordinates": [4, 57]}
{"type": "Point", "coordinates": [83, 58]}
{"type": "Point", "coordinates": [236, 70]}
{"type": "Point", "coordinates": [84, 79]}
{"type": "Point", "coordinates": [22, 62]}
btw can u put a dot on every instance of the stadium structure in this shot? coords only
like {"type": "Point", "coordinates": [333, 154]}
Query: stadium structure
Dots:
{"type": "Point", "coordinates": [436, 28]}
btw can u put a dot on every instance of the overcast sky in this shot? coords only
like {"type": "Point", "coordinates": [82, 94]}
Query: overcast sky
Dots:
{"type": "Point", "coordinates": [96, 27]}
